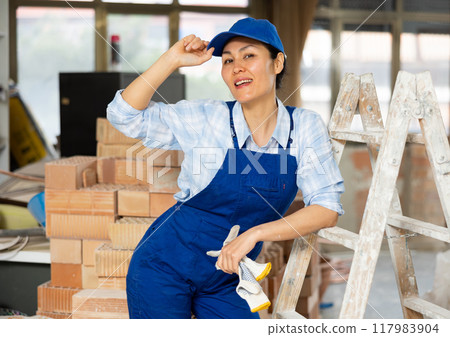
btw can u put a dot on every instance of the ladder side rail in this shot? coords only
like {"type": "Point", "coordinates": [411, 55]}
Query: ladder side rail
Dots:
{"type": "Point", "coordinates": [436, 141]}
{"type": "Point", "coordinates": [379, 199]}
{"type": "Point", "coordinates": [300, 255]}
{"type": "Point", "coordinates": [401, 259]}
{"type": "Point", "coordinates": [294, 275]}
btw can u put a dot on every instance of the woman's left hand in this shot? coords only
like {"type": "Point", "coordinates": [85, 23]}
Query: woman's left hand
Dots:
{"type": "Point", "coordinates": [234, 252]}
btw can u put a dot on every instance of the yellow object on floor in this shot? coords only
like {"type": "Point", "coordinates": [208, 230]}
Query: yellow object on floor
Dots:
{"type": "Point", "coordinates": [16, 217]}
{"type": "Point", "coordinates": [26, 145]}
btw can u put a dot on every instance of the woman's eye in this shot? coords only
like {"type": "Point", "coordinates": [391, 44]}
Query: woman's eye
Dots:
{"type": "Point", "coordinates": [227, 61]}
{"type": "Point", "coordinates": [248, 56]}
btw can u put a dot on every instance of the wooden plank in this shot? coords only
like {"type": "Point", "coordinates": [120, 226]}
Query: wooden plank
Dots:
{"type": "Point", "coordinates": [402, 261]}
{"type": "Point", "coordinates": [339, 235]}
{"type": "Point", "coordinates": [344, 110]}
{"type": "Point", "coordinates": [420, 227]}
{"type": "Point", "coordinates": [436, 140]}
{"type": "Point", "coordinates": [294, 275]}
{"type": "Point", "coordinates": [290, 315]}
{"type": "Point", "coordinates": [379, 199]}
{"type": "Point", "coordinates": [401, 257]}
{"type": "Point", "coordinates": [426, 308]}
{"type": "Point", "coordinates": [374, 137]}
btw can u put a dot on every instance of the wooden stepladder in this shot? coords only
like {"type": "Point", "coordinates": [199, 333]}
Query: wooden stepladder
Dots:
{"type": "Point", "coordinates": [413, 97]}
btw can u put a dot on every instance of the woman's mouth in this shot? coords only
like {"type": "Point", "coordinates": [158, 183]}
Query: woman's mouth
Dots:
{"type": "Point", "coordinates": [241, 83]}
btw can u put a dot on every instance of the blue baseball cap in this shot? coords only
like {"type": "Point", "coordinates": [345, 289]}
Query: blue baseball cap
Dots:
{"type": "Point", "coordinates": [257, 29]}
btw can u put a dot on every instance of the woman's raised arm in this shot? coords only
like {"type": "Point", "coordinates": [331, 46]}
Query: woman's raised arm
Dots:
{"type": "Point", "coordinates": [189, 51]}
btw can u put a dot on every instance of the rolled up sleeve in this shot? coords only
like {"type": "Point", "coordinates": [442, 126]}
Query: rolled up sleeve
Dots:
{"type": "Point", "coordinates": [318, 175]}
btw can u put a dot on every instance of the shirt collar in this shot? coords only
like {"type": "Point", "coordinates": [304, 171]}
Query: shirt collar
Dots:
{"type": "Point", "coordinates": [280, 134]}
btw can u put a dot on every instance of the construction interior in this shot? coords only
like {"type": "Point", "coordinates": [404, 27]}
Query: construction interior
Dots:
{"type": "Point", "coordinates": [76, 195]}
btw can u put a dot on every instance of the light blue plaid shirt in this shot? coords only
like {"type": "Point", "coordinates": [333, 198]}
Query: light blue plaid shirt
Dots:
{"type": "Point", "coordinates": [201, 129]}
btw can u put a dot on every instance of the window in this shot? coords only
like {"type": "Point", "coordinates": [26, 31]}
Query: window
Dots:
{"type": "Point", "coordinates": [368, 4]}
{"type": "Point", "coordinates": [419, 52]}
{"type": "Point", "coordinates": [434, 6]}
{"type": "Point", "coordinates": [141, 1]}
{"type": "Point", "coordinates": [206, 82]}
{"type": "Point", "coordinates": [315, 70]}
{"type": "Point", "coordinates": [369, 50]}
{"type": "Point", "coordinates": [143, 38]}
{"type": "Point", "coordinates": [50, 41]}
{"type": "Point", "coordinates": [231, 3]}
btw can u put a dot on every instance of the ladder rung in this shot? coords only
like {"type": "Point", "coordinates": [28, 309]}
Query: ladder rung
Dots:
{"type": "Point", "coordinates": [289, 315]}
{"type": "Point", "coordinates": [426, 308]}
{"type": "Point", "coordinates": [420, 227]}
{"type": "Point", "coordinates": [374, 137]}
{"type": "Point", "coordinates": [342, 236]}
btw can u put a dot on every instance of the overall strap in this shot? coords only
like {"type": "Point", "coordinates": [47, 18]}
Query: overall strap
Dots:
{"type": "Point", "coordinates": [230, 105]}
{"type": "Point", "coordinates": [290, 109]}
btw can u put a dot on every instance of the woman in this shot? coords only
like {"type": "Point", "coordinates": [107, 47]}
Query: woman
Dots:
{"type": "Point", "coordinates": [264, 154]}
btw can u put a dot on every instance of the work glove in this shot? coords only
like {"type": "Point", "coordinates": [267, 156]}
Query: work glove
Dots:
{"type": "Point", "coordinates": [250, 272]}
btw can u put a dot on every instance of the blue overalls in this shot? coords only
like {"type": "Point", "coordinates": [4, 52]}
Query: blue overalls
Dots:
{"type": "Point", "coordinates": [170, 274]}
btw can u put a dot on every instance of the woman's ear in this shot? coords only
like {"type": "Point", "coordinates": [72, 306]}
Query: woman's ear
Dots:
{"type": "Point", "coordinates": [279, 63]}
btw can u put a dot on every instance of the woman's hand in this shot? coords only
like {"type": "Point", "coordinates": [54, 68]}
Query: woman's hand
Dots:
{"type": "Point", "coordinates": [235, 251]}
{"type": "Point", "coordinates": [190, 51]}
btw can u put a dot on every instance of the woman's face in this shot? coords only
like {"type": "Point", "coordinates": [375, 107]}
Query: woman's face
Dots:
{"type": "Point", "coordinates": [248, 70]}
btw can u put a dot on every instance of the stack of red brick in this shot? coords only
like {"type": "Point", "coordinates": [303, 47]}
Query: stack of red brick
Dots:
{"type": "Point", "coordinates": [97, 211]}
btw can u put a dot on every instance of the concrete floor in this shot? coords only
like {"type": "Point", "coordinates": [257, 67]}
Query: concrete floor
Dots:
{"type": "Point", "coordinates": [384, 300]}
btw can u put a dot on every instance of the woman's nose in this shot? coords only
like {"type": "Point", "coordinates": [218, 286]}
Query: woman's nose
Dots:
{"type": "Point", "coordinates": [237, 67]}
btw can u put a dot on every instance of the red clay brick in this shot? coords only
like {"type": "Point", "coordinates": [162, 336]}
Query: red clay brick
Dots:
{"type": "Point", "coordinates": [134, 201]}
{"type": "Point", "coordinates": [89, 247]}
{"type": "Point", "coordinates": [100, 303]}
{"type": "Point", "coordinates": [55, 299]}
{"type": "Point", "coordinates": [108, 134]}
{"type": "Point", "coordinates": [126, 232]}
{"type": "Point", "coordinates": [65, 251]}
{"type": "Point", "coordinates": [160, 202]}
{"type": "Point", "coordinates": [67, 174]}
{"type": "Point", "coordinates": [66, 275]}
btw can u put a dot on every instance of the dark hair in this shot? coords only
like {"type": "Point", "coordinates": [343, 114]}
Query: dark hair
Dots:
{"type": "Point", "coordinates": [273, 54]}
